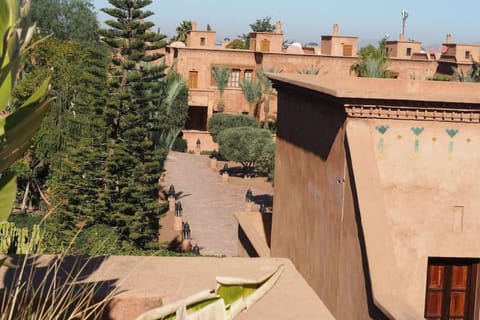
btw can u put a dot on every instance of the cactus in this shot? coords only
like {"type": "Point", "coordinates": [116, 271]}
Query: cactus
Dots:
{"type": "Point", "coordinates": [19, 240]}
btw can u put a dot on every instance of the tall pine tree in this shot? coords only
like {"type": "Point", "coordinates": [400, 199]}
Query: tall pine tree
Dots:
{"type": "Point", "coordinates": [135, 161]}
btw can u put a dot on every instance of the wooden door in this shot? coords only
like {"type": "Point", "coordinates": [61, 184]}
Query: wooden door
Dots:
{"type": "Point", "coordinates": [450, 289]}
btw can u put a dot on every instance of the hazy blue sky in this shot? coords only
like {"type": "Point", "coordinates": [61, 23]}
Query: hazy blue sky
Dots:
{"type": "Point", "coordinates": [306, 20]}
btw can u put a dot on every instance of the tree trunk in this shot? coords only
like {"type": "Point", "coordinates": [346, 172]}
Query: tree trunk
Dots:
{"type": "Point", "coordinates": [266, 109]}
{"type": "Point", "coordinates": [25, 197]}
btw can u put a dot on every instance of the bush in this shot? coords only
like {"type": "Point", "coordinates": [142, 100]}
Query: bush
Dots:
{"type": "Point", "coordinates": [244, 145]}
{"type": "Point", "coordinates": [266, 161]}
{"type": "Point", "coordinates": [180, 145]}
{"type": "Point", "coordinates": [221, 121]}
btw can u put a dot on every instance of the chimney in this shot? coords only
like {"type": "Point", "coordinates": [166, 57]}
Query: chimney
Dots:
{"type": "Point", "coordinates": [335, 29]}
{"type": "Point", "coordinates": [402, 37]}
{"type": "Point", "coordinates": [194, 25]}
{"type": "Point", "coordinates": [278, 27]}
{"type": "Point", "coordinates": [449, 38]}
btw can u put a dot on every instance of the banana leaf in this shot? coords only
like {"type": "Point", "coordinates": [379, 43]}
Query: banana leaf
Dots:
{"type": "Point", "coordinates": [232, 296]}
{"type": "Point", "coordinates": [8, 190]}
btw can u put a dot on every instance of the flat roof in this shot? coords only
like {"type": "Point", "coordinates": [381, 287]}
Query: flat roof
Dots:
{"type": "Point", "coordinates": [384, 89]}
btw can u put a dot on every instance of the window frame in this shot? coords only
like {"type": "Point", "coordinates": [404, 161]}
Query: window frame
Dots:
{"type": "Point", "coordinates": [446, 289]}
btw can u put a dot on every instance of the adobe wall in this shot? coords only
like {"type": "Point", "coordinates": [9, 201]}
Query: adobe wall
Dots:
{"type": "Point", "coordinates": [206, 141]}
{"type": "Point", "coordinates": [293, 63]}
{"type": "Point", "coordinates": [311, 223]}
{"type": "Point", "coordinates": [428, 178]}
{"type": "Point", "coordinates": [413, 69]}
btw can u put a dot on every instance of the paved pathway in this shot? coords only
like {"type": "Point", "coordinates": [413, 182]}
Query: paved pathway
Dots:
{"type": "Point", "coordinates": [208, 204]}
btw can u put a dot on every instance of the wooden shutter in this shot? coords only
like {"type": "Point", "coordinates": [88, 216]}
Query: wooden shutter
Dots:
{"type": "Point", "coordinates": [450, 290]}
{"type": "Point", "coordinates": [265, 45]}
{"type": "Point", "coordinates": [347, 50]}
{"type": "Point", "coordinates": [193, 79]}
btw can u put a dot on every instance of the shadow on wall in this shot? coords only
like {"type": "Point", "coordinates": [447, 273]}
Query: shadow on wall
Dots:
{"type": "Point", "coordinates": [323, 120]}
{"type": "Point", "coordinates": [373, 310]}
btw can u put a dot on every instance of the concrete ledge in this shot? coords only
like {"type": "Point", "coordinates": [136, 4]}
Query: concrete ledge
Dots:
{"type": "Point", "coordinates": [252, 224]}
{"type": "Point", "coordinates": [147, 282]}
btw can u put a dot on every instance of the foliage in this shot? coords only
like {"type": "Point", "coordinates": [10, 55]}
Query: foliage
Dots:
{"type": "Point", "coordinates": [66, 19]}
{"type": "Point", "coordinates": [265, 163]}
{"type": "Point", "coordinates": [183, 28]}
{"type": "Point", "coordinates": [252, 91]}
{"type": "Point", "coordinates": [17, 240]}
{"type": "Point", "coordinates": [262, 25]}
{"type": "Point", "coordinates": [440, 77]}
{"type": "Point", "coordinates": [231, 297]}
{"type": "Point", "coordinates": [180, 145]}
{"type": "Point", "coordinates": [142, 104]}
{"type": "Point", "coordinates": [311, 71]}
{"type": "Point", "coordinates": [237, 44]}
{"type": "Point", "coordinates": [473, 73]}
{"type": "Point", "coordinates": [267, 90]}
{"type": "Point", "coordinates": [373, 62]}
{"type": "Point", "coordinates": [243, 145]}
{"type": "Point", "coordinates": [221, 121]}
{"type": "Point", "coordinates": [221, 74]}
{"type": "Point", "coordinates": [56, 290]}
{"type": "Point", "coordinates": [17, 127]}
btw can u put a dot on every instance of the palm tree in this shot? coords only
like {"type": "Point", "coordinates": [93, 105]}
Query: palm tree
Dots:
{"type": "Point", "coordinates": [221, 74]}
{"type": "Point", "coordinates": [182, 30]}
{"type": "Point", "coordinates": [267, 89]}
{"type": "Point", "coordinates": [252, 91]}
{"type": "Point", "coordinates": [373, 62]}
{"type": "Point", "coordinates": [473, 73]}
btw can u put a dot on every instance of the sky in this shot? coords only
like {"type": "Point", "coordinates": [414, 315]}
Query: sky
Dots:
{"type": "Point", "coordinates": [307, 20]}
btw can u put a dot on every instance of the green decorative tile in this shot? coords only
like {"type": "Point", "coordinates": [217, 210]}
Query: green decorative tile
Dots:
{"type": "Point", "coordinates": [451, 132]}
{"type": "Point", "coordinates": [382, 129]}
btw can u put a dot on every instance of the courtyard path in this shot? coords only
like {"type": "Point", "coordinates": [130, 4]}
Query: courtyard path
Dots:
{"type": "Point", "coordinates": [208, 204]}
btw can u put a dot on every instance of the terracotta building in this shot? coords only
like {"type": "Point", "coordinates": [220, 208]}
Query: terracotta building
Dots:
{"type": "Point", "coordinates": [333, 57]}
{"type": "Point", "coordinates": [377, 196]}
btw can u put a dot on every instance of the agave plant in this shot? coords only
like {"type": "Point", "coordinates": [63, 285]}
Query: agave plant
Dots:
{"type": "Point", "coordinates": [16, 128]}
{"type": "Point", "coordinates": [232, 296]}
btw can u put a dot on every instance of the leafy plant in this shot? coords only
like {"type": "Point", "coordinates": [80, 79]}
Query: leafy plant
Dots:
{"type": "Point", "coordinates": [373, 62]}
{"type": "Point", "coordinates": [221, 121]}
{"type": "Point", "coordinates": [252, 91]}
{"type": "Point", "coordinates": [221, 74]}
{"type": "Point", "coordinates": [54, 291]}
{"type": "Point", "coordinates": [16, 128]}
{"type": "Point", "coordinates": [232, 296]}
{"type": "Point", "coordinates": [473, 73]}
{"type": "Point", "coordinates": [243, 145]}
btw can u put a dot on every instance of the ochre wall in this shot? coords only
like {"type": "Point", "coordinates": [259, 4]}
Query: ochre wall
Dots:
{"type": "Point", "coordinates": [430, 187]}
{"type": "Point", "coordinates": [293, 63]}
{"type": "Point", "coordinates": [312, 225]}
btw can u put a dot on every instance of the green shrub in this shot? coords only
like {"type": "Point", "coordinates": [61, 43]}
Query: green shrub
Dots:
{"type": "Point", "coordinates": [221, 121]}
{"type": "Point", "coordinates": [244, 145]}
{"type": "Point", "coordinates": [266, 160]}
{"type": "Point", "coordinates": [180, 145]}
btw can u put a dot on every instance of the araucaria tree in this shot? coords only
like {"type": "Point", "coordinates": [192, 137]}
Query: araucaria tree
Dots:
{"type": "Point", "coordinates": [134, 119]}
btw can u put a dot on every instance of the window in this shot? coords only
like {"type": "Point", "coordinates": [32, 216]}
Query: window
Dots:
{"type": "Point", "coordinates": [409, 52]}
{"type": "Point", "coordinates": [451, 286]}
{"type": "Point", "coordinates": [347, 50]}
{"type": "Point", "coordinates": [265, 45]}
{"type": "Point", "coordinates": [467, 55]}
{"type": "Point", "coordinates": [202, 41]}
{"type": "Point", "coordinates": [248, 75]}
{"type": "Point", "coordinates": [193, 79]}
{"type": "Point", "coordinates": [234, 79]}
